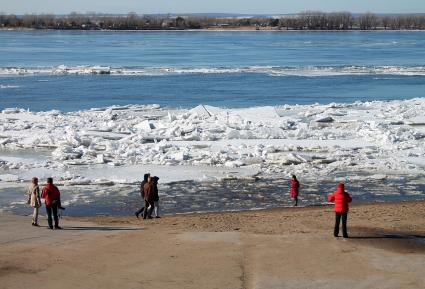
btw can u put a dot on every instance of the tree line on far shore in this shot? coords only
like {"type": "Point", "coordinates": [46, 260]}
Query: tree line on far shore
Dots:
{"type": "Point", "coordinates": [309, 20]}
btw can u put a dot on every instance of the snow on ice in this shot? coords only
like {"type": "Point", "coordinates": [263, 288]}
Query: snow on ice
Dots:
{"type": "Point", "coordinates": [118, 144]}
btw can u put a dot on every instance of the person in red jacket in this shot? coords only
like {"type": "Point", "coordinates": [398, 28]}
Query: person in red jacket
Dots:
{"type": "Point", "coordinates": [51, 196]}
{"type": "Point", "coordinates": [341, 199]}
{"type": "Point", "coordinates": [295, 187]}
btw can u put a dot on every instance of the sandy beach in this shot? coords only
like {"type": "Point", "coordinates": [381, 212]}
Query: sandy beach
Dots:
{"type": "Point", "coordinates": [277, 248]}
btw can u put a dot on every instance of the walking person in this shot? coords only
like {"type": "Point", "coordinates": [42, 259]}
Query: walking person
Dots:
{"type": "Point", "coordinates": [341, 199]}
{"type": "Point", "coordinates": [295, 187]}
{"type": "Point", "coordinates": [155, 196]}
{"type": "Point", "coordinates": [51, 195]}
{"type": "Point", "coordinates": [34, 199]}
{"type": "Point", "coordinates": [141, 189]}
{"type": "Point", "coordinates": [148, 196]}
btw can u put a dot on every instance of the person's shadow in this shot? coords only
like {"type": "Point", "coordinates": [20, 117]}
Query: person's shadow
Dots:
{"type": "Point", "coordinates": [390, 236]}
{"type": "Point", "coordinates": [100, 228]}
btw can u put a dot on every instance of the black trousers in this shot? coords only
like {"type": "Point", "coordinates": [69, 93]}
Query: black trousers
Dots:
{"type": "Point", "coordinates": [141, 210]}
{"type": "Point", "coordinates": [148, 212]}
{"type": "Point", "coordinates": [52, 209]}
{"type": "Point", "coordinates": [344, 224]}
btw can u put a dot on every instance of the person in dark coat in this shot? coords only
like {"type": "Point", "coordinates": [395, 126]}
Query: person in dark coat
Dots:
{"type": "Point", "coordinates": [145, 180]}
{"type": "Point", "coordinates": [51, 196]}
{"type": "Point", "coordinates": [156, 196]}
{"type": "Point", "coordinates": [148, 193]}
{"type": "Point", "coordinates": [295, 187]}
{"type": "Point", "coordinates": [341, 199]}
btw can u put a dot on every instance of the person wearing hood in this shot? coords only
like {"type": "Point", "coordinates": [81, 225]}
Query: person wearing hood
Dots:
{"type": "Point", "coordinates": [155, 196]}
{"type": "Point", "coordinates": [51, 196]}
{"type": "Point", "coordinates": [34, 200]}
{"type": "Point", "coordinates": [295, 187]}
{"type": "Point", "coordinates": [141, 190]}
{"type": "Point", "coordinates": [341, 199]}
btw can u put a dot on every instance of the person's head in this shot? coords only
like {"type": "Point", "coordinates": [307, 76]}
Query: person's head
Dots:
{"type": "Point", "coordinates": [341, 187]}
{"type": "Point", "coordinates": [50, 180]}
{"type": "Point", "coordinates": [34, 180]}
{"type": "Point", "coordinates": [294, 177]}
{"type": "Point", "coordinates": [146, 176]}
{"type": "Point", "coordinates": [155, 179]}
{"type": "Point", "coordinates": [149, 179]}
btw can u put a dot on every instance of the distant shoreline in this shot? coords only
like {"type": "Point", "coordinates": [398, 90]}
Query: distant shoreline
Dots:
{"type": "Point", "coordinates": [303, 21]}
{"type": "Point", "coordinates": [244, 29]}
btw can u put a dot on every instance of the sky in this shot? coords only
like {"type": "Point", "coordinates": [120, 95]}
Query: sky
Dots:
{"type": "Point", "coordinates": [209, 6]}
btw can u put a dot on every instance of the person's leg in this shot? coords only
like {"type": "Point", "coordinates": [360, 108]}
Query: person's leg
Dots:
{"type": "Point", "coordinates": [49, 216]}
{"type": "Point", "coordinates": [35, 216]}
{"type": "Point", "coordinates": [138, 212]}
{"type": "Point", "coordinates": [296, 201]}
{"type": "Point", "coordinates": [344, 225]}
{"type": "Point", "coordinates": [156, 209]}
{"type": "Point", "coordinates": [337, 220]}
{"type": "Point", "coordinates": [55, 215]}
{"type": "Point", "coordinates": [151, 207]}
{"type": "Point", "coordinates": [145, 209]}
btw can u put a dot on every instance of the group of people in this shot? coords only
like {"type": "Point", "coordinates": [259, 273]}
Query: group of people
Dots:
{"type": "Point", "coordinates": [149, 193]}
{"type": "Point", "coordinates": [51, 196]}
{"type": "Point", "coordinates": [150, 196]}
{"type": "Point", "coordinates": [341, 199]}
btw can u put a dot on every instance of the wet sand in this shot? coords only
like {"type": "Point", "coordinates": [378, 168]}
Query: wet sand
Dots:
{"type": "Point", "coordinates": [276, 248]}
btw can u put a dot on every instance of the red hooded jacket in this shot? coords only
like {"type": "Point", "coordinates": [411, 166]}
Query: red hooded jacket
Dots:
{"type": "Point", "coordinates": [341, 199]}
{"type": "Point", "coordinates": [50, 193]}
{"type": "Point", "coordinates": [295, 185]}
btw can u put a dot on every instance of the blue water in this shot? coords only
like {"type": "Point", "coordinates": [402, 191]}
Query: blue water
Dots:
{"type": "Point", "coordinates": [231, 69]}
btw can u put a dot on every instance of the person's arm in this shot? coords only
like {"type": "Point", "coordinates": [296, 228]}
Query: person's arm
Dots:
{"type": "Point", "coordinates": [331, 198]}
{"type": "Point", "coordinates": [349, 199]}
{"type": "Point", "coordinates": [37, 195]}
{"type": "Point", "coordinates": [145, 192]}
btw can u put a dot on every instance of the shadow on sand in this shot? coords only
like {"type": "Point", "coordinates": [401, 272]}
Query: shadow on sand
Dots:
{"type": "Point", "coordinates": [390, 236]}
{"type": "Point", "coordinates": [402, 242]}
{"type": "Point", "coordinates": [99, 228]}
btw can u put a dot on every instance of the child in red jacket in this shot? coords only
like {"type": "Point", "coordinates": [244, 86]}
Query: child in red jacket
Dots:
{"type": "Point", "coordinates": [341, 199]}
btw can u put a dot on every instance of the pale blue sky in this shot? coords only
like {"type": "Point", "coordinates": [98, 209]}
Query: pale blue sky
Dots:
{"type": "Point", "coordinates": [221, 6]}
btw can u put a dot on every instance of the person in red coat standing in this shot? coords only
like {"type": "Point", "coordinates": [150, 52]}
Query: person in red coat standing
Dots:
{"type": "Point", "coordinates": [341, 199]}
{"type": "Point", "coordinates": [51, 196]}
{"type": "Point", "coordinates": [295, 188]}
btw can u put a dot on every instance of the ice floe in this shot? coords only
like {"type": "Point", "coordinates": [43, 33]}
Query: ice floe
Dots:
{"type": "Point", "coordinates": [103, 146]}
{"type": "Point", "coordinates": [278, 71]}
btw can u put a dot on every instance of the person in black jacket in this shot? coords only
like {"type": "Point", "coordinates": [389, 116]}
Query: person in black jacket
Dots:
{"type": "Point", "coordinates": [155, 196]}
{"type": "Point", "coordinates": [145, 180]}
